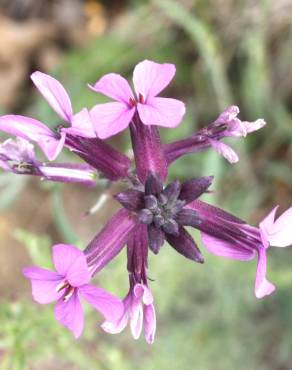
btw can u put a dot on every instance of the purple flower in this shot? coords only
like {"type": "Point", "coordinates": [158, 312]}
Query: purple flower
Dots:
{"type": "Point", "coordinates": [149, 79]}
{"type": "Point", "coordinates": [226, 125]}
{"type": "Point", "coordinates": [67, 285]}
{"type": "Point", "coordinates": [30, 129]}
{"type": "Point", "coordinates": [164, 212]}
{"type": "Point", "coordinates": [225, 235]}
{"type": "Point", "coordinates": [18, 157]}
{"type": "Point", "coordinates": [138, 304]}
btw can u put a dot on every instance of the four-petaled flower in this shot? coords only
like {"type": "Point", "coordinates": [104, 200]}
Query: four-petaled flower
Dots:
{"type": "Point", "coordinates": [67, 285]}
{"type": "Point", "coordinates": [149, 79]}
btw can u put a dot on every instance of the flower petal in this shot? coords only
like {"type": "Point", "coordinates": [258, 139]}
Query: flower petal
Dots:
{"type": "Point", "coordinates": [225, 150]}
{"type": "Point", "coordinates": [149, 323]}
{"type": "Point", "coordinates": [150, 78]}
{"type": "Point", "coordinates": [111, 118]}
{"type": "Point", "coordinates": [31, 129]}
{"type": "Point", "coordinates": [262, 286]}
{"type": "Point", "coordinates": [71, 263]}
{"type": "Point", "coordinates": [70, 314]}
{"type": "Point", "coordinates": [266, 226]}
{"type": "Point", "coordinates": [142, 292]}
{"type": "Point", "coordinates": [225, 249]}
{"type": "Point", "coordinates": [81, 125]}
{"type": "Point", "coordinates": [114, 86]}
{"type": "Point", "coordinates": [54, 93]}
{"type": "Point", "coordinates": [228, 115]}
{"type": "Point", "coordinates": [44, 283]}
{"type": "Point", "coordinates": [115, 327]}
{"type": "Point", "coordinates": [163, 112]}
{"type": "Point", "coordinates": [280, 234]}
{"type": "Point", "coordinates": [108, 305]}
{"type": "Point", "coordinates": [136, 320]}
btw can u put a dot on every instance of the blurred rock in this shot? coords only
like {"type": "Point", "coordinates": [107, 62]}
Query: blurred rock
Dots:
{"type": "Point", "coordinates": [18, 43]}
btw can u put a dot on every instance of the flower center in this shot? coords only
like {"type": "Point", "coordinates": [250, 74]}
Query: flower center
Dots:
{"type": "Point", "coordinates": [133, 102]}
{"type": "Point", "coordinates": [161, 212]}
{"type": "Point", "coordinates": [68, 290]}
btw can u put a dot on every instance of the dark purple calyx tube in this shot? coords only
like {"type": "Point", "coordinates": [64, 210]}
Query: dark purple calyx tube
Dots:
{"type": "Point", "coordinates": [110, 240]}
{"type": "Point", "coordinates": [148, 150]}
{"type": "Point", "coordinates": [110, 162]}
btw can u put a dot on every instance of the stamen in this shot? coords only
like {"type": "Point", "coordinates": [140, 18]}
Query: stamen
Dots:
{"type": "Point", "coordinates": [132, 102]}
{"type": "Point", "coordinates": [141, 98]}
{"type": "Point", "coordinates": [68, 294]}
{"type": "Point", "coordinates": [64, 284]}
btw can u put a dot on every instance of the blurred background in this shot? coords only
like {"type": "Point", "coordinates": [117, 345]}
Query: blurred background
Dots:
{"type": "Point", "coordinates": [226, 52]}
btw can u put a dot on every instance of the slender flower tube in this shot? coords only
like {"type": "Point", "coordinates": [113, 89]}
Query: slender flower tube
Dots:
{"type": "Point", "coordinates": [18, 157]}
{"type": "Point", "coordinates": [110, 162]}
{"type": "Point", "coordinates": [67, 285]}
{"type": "Point", "coordinates": [164, 212]}
{"type": "Point", "coordinates": [148, 150]}
{"type": "Point", "coordinates": [49, 141]}
{"type": "Point", "coordinates": [110, 240]}
{"type": "Point", "coordinates": [226, 125]}
{"type": "Point", "coordinates": [227, 236]}
{"type": "Point", "coordinates": [149, 79]}
{"type": "Point", "coordinates": [138, 304]}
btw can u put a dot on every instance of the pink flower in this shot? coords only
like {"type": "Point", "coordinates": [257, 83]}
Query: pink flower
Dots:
{"type": "Point", "coordinates": [67, 285]}
{"type": "Point", "coordinates": [50, 142]}
{"type": "Point", "coordinates": [227, 236]}
{"type": "Point", "coordinates": [234, 127]}
{"type": "Point", "coordinates": [149, 79]}
{"type": "Point", "coordinates": [139, 311]}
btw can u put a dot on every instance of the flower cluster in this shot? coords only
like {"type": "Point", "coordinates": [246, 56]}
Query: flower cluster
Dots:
{"type": "Point", "coordinates": [152, 210]}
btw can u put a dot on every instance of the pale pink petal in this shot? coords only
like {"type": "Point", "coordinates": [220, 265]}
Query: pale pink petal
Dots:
{"type": "Point", "coordinates": [31, 129]}
{"type": "Point", "coordinates": [54, 93]}
{"type": "Point", "coordinates": [149, 323]}
{"type": "Point", "coordinates": [115, 327]}
{"type": "Point", "coordinates": [111, 118]}
{"type": "Point", "coordinates": [254, 126]}
{"type": "Point", "coordinates": [162, 112]}
{"type": "Point", "coordinates": [142, 292]}
{"type": "Point", "coordinates": [225, 150]}
{"type": "Point", "coordinates": [151, 78]}
{"type": "Point", "coordinates": [52, 147]}
{"type": "Point", "coordinates": [108, 305]}
{"type": "Point", "coordinates": [228, 114]}
{"type": "Point", "coordinates": [266, 226]}
{"type": "Point", "coordinates": [114, 86]}
{"type": "Point", "coordinates": [70, 262]}
{"type": "Point", "coordinates": [81, 125]}
{"type": "Point", "coordinates": [44, 283]}
{"type": "Point", "coordinates": [280, 235]}
{"type": "Point", "coordinates": [70, 314]}
{"type": "Point", "coordinates": [136, 320]}
{"type": "Point", "coordinates": [225, 249]}
{"type": "Point", "coordinates": [236, 128]}
{"type": "Point", "coordinates": [262, 286]}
